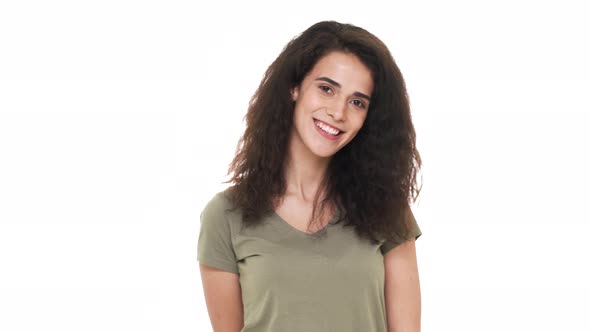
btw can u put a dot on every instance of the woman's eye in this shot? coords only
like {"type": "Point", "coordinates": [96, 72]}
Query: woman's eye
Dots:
{"type": "Point", "coordinates": [358, 103]}
{"type": "Point", "coordinates": [326, 89]}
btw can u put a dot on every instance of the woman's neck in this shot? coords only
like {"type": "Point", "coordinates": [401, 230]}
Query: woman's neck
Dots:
{"type": "Point", "coordinates": [304, 171]}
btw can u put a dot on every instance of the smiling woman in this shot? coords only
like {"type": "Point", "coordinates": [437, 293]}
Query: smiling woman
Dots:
{"type": "Point", "coordinates": [336, 110]}
{"type": "Point", "coordinates": [315, 232]}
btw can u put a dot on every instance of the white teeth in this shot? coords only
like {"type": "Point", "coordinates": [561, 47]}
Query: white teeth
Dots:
{"type": "Point", "coordinates": [327, 129]}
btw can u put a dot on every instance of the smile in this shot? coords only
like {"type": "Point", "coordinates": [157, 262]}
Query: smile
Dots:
{"type": "Point", "coordinates": [327, 130]}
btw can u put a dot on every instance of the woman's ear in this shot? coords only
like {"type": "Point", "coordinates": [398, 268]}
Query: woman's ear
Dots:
{"type": "Point", "coordinates": [294, 93]}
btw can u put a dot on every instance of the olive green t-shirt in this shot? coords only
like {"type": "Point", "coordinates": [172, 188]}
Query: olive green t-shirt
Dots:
{"type": "Point", "coordinates": [330, 281]}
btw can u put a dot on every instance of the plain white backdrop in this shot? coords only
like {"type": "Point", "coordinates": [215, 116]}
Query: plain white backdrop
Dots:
{"type": "Point", "coordinates": [118, 120]}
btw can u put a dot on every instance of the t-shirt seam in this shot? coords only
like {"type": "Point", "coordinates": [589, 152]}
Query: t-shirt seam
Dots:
{"type": "Point", "coordinates": [227, 206]}
{"type": "Point", "coordinates": [220, 264]}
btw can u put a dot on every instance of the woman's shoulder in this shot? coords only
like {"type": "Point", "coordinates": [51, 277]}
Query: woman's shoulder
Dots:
{"type": "Point", "coordinates": [219, 203]}
{"type": "Point", "coordinates": [221, 207]}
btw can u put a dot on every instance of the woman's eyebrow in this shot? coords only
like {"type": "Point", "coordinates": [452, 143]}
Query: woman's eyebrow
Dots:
{"type": "Point", "coordinates": [336, 84]}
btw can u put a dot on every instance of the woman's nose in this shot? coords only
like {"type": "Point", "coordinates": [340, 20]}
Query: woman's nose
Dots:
{"type": "Point", "coordinates": [337, 111]}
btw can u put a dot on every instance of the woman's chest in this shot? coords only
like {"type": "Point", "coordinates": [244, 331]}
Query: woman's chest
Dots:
{"type": "Point", "coordinates": [293, 263]}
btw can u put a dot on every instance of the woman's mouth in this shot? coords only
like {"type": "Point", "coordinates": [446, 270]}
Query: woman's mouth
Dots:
{"type": "Point", "coordinates": [326, 130]}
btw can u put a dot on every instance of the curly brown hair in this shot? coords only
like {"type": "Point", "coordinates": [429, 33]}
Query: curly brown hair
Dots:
{"type": "Point", "coordinates": [372, 179]}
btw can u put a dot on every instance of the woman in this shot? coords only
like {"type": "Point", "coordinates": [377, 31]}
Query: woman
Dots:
{"type": "Point", "coordinates": [316, 233]}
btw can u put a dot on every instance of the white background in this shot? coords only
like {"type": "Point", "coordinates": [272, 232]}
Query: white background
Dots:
{"type": "Point", "coordinates": [118, 120]}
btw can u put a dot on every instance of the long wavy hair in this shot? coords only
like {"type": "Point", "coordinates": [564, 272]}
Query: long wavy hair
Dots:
{"type": "Point", "coordinates": [371, 180]}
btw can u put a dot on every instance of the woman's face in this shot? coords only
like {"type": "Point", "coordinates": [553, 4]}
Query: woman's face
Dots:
{"type": "Point", "coordinates": [331, 104]}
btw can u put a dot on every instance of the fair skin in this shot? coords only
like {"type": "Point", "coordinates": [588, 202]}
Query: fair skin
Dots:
{"type": "Point", "coordinates": [334, 95]}
{"type": "Point", "coordinates": [223, 298]}
{"type": "Point", "coordinates": [402, 288]}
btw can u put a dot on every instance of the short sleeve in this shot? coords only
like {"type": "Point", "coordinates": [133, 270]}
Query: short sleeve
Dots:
{"type": "Point", "coordinates": [215, 246]}
{"type": "Point", "coordinates": [414, 232]}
